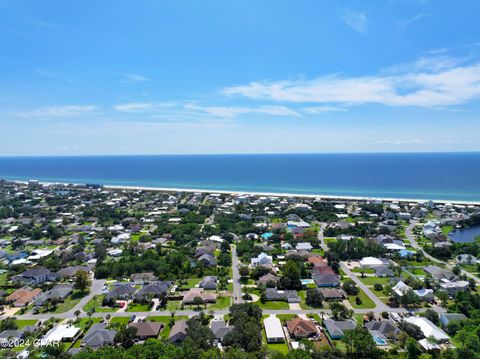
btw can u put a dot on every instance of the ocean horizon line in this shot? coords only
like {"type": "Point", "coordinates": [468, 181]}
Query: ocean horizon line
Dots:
{"type": "Point", "coordinates": [245, 154]}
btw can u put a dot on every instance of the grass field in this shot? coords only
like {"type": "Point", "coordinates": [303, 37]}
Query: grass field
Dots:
{"type": "Point", "coordinates": [123, 320]}
{"type": "Point", "coordinates": [165, 320]}
{"type": "Point", "coordinates": [83, 323]}
{"type": "Point", "coordinates": [367, 303]}
{"type": "Point", "coordinates": [136, 307]}
{"type": "Point", "coordinates": [22, 323]}
{"type": "Point", "coordinates": [96, 304]}
{"type": "Point", "coordinates": [370, 281]}
{"type": "Point", "coordinates": [273, 305]}
{"type": "Point", "coordinates": [222, 303]}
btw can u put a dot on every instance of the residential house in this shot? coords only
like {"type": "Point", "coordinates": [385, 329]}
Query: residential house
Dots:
{"type": "Point", "coordinates": [425, 294]}
{"type": "Point", "coordinates": [120, 291]}
{"type": "Point", "coordinates": [273, 330]}
{"type": "Point", "coordinates": [98, 336]}
{"type": "Point", "coordinates": [152, 290]}
{"type": "Point", "coordinates": [59, 292]}
{"type": "Point", "coordinates": [220, 329]}
{"type": "Point", "coordinates": [23, 296]}
{"type": "Point", "coordinates": [428, 328]}
{"type": "Point", "coordinates": [336, 328]}
{"type": "Point", "coordinates": [331, 294]}
{"type": "Point", "coordinates": [386, 329]}
{"type": "Point", "coordinates": [178, 333]}
{"type": "Point", "coordinates": [453, 288]}
{"type": "Point", "coordinates": [34, 276]}
{"type": "Point", "coordinates": [439, 274]}
{"type": "Point", "coordinates": [263, 259]}
{"type": "Point", "coordinates": [304, 246]}
{"type": "Point", "coordinates": [207, 297]}
{"type": "Point", "coordinates": [147, 330]}
{"type": "Point", "coordinates": [326, 280]}
{"type": "Point", "coordinates": [301, 328]}
{"type": "Point", "coordinates": [446, 318]}
{"type": "Point", "coordinates": [290, 296]}
{"type": "Point", "coordinates": [143, 277]}
{"type": "Point", "coordinates": [268, 280]}
{"type": "Point", "coordinates": [209, 282]}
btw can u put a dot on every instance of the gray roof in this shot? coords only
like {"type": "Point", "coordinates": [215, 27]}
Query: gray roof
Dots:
{"type": "Point", "coordinates": [336, 328]}
{"type": "Point", "coordinates": [122, 290]}
{"type": "Point", "coordinates": [98, 336]}
{"type": "Point", "coordinates": [59, 291]}
{"type": "Point", "coordinates": [386, 328]}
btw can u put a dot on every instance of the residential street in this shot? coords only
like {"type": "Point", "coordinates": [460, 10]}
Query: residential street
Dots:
{"type": "Point", "coordinates": [237, 287]}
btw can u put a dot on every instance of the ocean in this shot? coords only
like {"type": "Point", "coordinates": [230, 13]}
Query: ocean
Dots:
{"type": "Point", "coordinates": [445, 176]}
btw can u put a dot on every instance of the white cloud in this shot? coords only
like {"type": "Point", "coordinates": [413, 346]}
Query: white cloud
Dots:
{"type": "Point", "coordinates": [137, 107]}
{"type": "Point", "coordinates": [356, 20]}
{"type": "Point", "coordinates": [58, 111]}
{"type": "Point", "coordinates": [129, 78]}
{"type": "Point", "coordinates": [414, 19]}
{"type": "Point", "coordinates": [440, 86]}
{"type": "Point", "coordinates": [322, 109]}
{"type": "Point", "coordinates": [234, 111]}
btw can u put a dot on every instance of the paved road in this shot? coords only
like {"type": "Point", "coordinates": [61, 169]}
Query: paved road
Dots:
{"type": "Point", "coordinates": [96, 289]}
{"type": "Point", "coordinates": [379, 305]}
{"type": "Point", "coordinates": [414, 243]}
{"type": "Point", "coordinates": [237, 287]}
{"type": "Point", "coordinates": [321, 236]}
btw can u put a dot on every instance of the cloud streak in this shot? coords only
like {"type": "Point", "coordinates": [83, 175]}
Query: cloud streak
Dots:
{"type": "Point", "coordinates": [440, 86]}
{"type": "Point", "coordinates": [357, 21]}
{"type": "Point", "coordinates": [58, 111]}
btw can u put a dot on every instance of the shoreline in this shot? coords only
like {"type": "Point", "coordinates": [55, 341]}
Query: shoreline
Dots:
{"type": "Point", "coordinates": [267, 194]}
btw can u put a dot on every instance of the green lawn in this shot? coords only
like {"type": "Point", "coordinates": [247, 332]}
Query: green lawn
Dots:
{"type": "Point", "coordinates": [137, 307]}
{"type": "Point", "coordinates": [364, 270]}
{"type": "Point", "coordinates": [221, 303]}
{"type": "Point", "coordinates": [447, 229]}
{"type": "Point", "coordinates": [370, 281]}
{"type": "Point", "coordinates": [69, 303]}
{"type": "Point", "coordinates": [273, 305]}
{"type": "Point", "coordinates": [367, 303]}
{"type": "Point", "coordinates": [123, 320]}
{"type": "Point", "coordinates": [286, 317]}
{"type": "Point", "coordinates": [83, 323]}
{"type": "Point", "coordinates": [279, 347]}
{"type": "Point", "coordinates": [3, 278]}
{"type": "Point", "coordinates": [165, 320]}
{"type": "Point", "coordinates": [22, 323]}
{"type": "Point", "coordinates": [96, 304]}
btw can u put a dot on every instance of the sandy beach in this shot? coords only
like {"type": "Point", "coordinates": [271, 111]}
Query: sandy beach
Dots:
{"type": "Point", "coordinates": [266, 194]}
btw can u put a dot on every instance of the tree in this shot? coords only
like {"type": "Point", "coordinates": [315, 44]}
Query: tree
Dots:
{"type": "Point", "coordinates": [378, 287]}
{"type": "Point", "coordinates": [247, 329]}
{"type": "Point", "coordinates": [198, 301]}
{"type": "Point", "coordinates": [77, 313]}
{"type": "Point", "coordinates": [359, 342]}
{"type": "Point", "coordinates": [126, 336]}
{"type": "Point", "coordinates": [340, 312]}
{"type": "Point", "coordinates": [314, 298]}
{"type": "Point", "coordinates": [244, 271]}
{"type": "Point", "coordinates": [199, 335]}
{"type": "Point", "coordinates": [432, 315]}
{"type": "Point", "coordinates": [82, 281]}
{"type": "Point", "coordinates": [412, 349]}
{"type": "Point", "coordinates": [9, 323]}
{"type": "Point", "coordinates": [350, 287]}
{"type": "Point", "coordinates": [291, 276]}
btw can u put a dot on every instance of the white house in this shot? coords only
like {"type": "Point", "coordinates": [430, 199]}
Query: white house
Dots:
{"type": "Point", "coordinates": [304, 246]}
{"type": "Point", "coordinates": [371, 262]}
{"type": "Point", "coordinates": [60, 333]}
{"type": "Point", "coordinates": [428, 328]}
{"type": "Point", "coordinates": [273, 329]}
{"type": "Point", "coordinates": [263, 259]}
{"type": "Point", "coordinates": [400, 289]}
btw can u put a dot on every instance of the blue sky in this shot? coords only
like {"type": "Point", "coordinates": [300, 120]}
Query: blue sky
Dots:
{"type": "Point", "coordinates": [154, 77]}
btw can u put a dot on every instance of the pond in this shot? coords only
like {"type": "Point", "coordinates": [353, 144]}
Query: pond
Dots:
{"type": "Point", "coordinates": [464, 235]}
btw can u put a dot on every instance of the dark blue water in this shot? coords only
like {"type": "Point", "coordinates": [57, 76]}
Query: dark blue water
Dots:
{"type": "Point", "coordinates": [452, 176]}
{"type": "Point", "coordinates": [464, 235]}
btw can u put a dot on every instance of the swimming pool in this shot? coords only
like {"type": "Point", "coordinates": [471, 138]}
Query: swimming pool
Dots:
{"type": "Point", "coordinates": [379, 340]}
